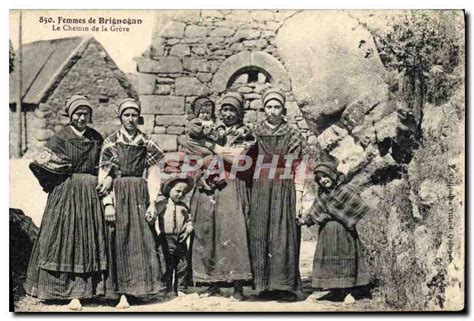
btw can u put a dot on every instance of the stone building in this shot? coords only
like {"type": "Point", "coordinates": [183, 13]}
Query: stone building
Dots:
{"type": "Point", "coordinates": [208, 52]}
{"type": "Point", "coordinates": [56, 69]}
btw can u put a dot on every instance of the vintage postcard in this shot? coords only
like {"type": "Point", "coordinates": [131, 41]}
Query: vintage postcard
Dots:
{"type": "Point", "coordinates": [237, 160]}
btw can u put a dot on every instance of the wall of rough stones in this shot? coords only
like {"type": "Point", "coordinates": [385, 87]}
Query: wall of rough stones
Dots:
{"type": "Point", "coordinates": [207, 52]}
{"type": "Point", "coordinates": [93, 74]}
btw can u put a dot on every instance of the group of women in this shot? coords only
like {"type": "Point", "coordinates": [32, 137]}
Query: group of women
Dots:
{"type": "Point", "coordinates": [245, 230]}
{"type": "Point", "coordinates": [97, 239]}
{"type": "Point", "coordinates": [94, 239]}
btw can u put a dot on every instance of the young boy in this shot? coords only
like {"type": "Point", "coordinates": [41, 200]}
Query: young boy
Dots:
{"type": "Point", "coordinates": [339, 264]}
{"type": "Point", "coordinates": [175, 225]}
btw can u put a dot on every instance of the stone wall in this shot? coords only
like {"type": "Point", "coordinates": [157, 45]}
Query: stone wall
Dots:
{"type": "Point", "coordinates": [93, 74]}
{"type": "Point", "coordinates": [207, 52]}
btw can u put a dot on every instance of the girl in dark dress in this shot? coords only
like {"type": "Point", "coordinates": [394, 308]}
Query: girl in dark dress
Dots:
{"type": "Point", "coordinates": [339, 263]}
{"type": "Point", "coordinates": [69, 258]}
{"type": "Point", "coordinates": [275, 202]}
{"type": "Point", "coordinates": [129, 155]}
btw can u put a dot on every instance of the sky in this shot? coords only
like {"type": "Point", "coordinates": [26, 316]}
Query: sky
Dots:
{"type": "Point", "coordinates": [121, 46]}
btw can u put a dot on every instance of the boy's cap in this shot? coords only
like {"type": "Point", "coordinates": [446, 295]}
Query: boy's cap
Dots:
{"type": "Point", "coordinates": [170, 183]}
{"type": "Point", "coordinates": [173, 165]}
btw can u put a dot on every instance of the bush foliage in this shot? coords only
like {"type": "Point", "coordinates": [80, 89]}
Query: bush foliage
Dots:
{"type": "Point", "coordinates": [407, 239]}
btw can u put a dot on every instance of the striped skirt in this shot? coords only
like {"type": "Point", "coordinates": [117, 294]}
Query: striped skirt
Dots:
{"type": "Point", "coordinates": [274, 239]}
{"type": "Point", "coordinates": [220, 252]}
{"type": "Point", "coordinates": [338, 259]}
{"type": "Point", "coordinates": [138, 260]}
{"type": "Point", "coordinates": [69, 258]}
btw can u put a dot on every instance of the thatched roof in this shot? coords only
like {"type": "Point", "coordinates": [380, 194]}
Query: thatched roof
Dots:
{"type": "Point", "coordinates": [46, 62]}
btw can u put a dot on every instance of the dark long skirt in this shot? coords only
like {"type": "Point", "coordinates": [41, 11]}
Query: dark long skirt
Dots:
{"type": "Point", "coordinates": [220, 250]}
{"type": "Point", "coordinates": [338, 260]}
{"type": "Point", "coordinates": [139, 262]}
{"type": "Point", "coordinates": [273, 234]}
{"type": "Point", "coordinates": [69, 258]}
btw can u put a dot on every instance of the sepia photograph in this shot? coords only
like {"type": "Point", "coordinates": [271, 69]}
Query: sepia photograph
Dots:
{"type": "Point", "coordinates": [231, 160]}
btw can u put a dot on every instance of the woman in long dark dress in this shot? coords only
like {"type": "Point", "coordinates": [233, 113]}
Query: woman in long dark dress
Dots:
{"type": "Point", "coordinates": [128, 155]}
{"type": "Point", "coordinates": [274, 237]}
{"type": "Point", "coordinates": [220, 253]}
{"type": "Point", "coordinates": [69, 258]}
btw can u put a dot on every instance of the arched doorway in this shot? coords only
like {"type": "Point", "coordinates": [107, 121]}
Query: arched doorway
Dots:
{"type": "Point", "coordinates": [251, 73]}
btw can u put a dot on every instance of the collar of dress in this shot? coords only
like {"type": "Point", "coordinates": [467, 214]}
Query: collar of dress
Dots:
{"type": "Point", "coordinates": [171, 202]}
{"type": "Point", "coordinates": [131, 138]}
{"type": "Point", "coordinates": [77, 132]}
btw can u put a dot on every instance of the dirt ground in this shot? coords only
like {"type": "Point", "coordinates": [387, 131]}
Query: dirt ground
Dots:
{"type": "Point", "coordinates": [191, 302]}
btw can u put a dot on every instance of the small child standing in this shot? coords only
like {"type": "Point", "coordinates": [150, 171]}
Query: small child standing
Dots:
{"type": "Point", "coordinates": [175, 225]}
{"type": "Point", "coordinates": [339, 265]}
